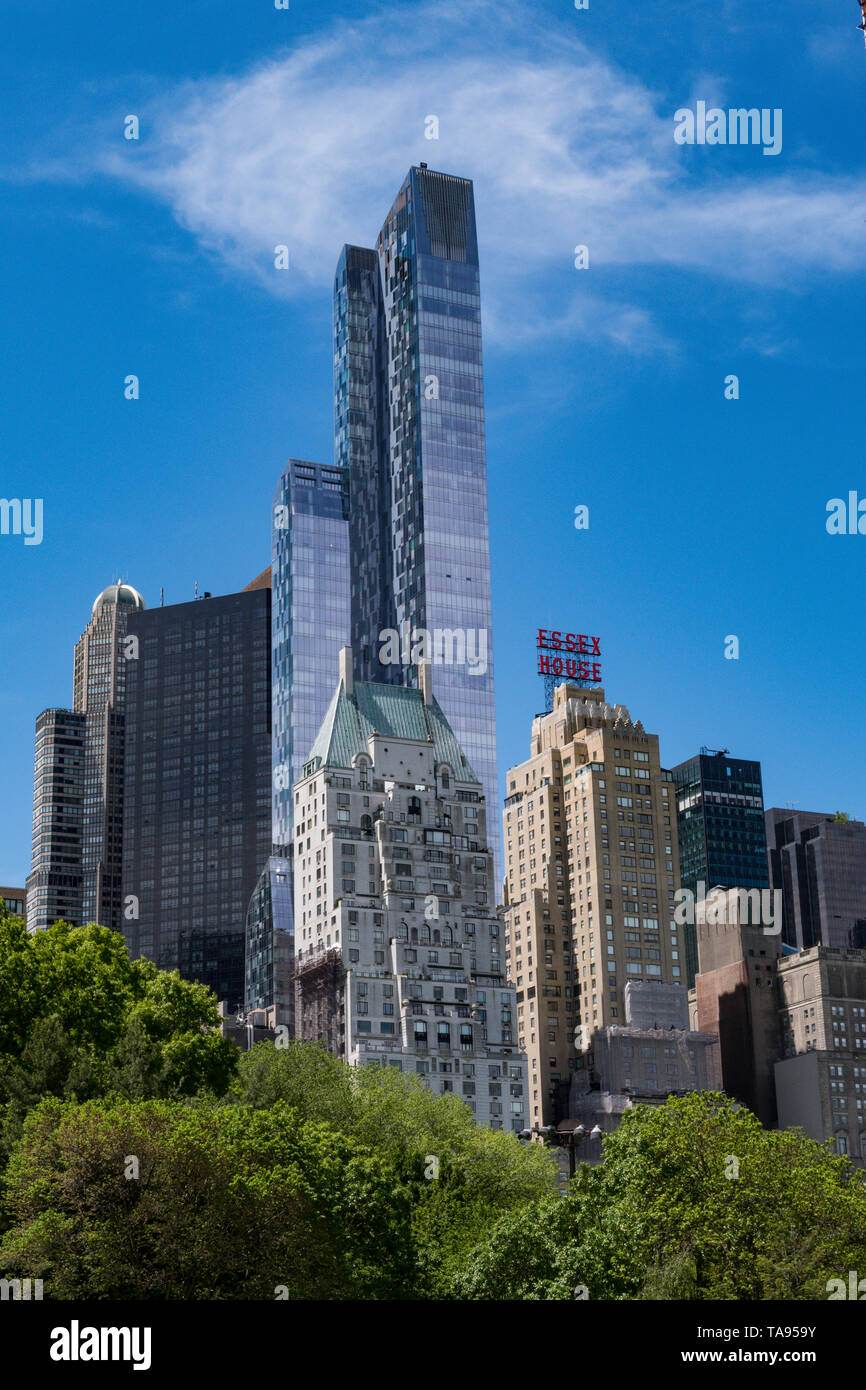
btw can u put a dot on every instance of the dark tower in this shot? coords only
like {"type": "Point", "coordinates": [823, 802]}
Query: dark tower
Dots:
{"type": "Point", "coordinates": [197, 809]}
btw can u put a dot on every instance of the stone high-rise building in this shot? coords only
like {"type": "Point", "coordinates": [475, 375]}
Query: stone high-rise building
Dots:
{"type": "Point", "coordinates": [819, 865]}
{"type": "Point", "coordinates": [399, 956]}
{"type": "Point", "coordinates": [735, 998]}
{"type": "Point", "coordinates": [791, 1024]}
{"type": "Point", "coordinates": [55, 880]}
{"type": "Point", "coordinates": [15, 901]}
{"type": "Point", "coordinates": [651, 1055]}
{"type": "Point", "coordinates": [78, 788]}
{"type": "Point", "coordinates": [591, 868]}
{"type": "Point", "coordinates": [821, 1077]}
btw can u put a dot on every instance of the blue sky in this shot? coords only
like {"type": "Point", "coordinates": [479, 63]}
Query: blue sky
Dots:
{"type": "Point", "coordinates": [604, 386]}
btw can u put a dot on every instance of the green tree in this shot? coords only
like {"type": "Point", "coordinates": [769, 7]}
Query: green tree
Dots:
{"type": "Point", "coordinates": [461, 1175]}
{"type": "Point", "coordinates": [78, 1019]}
{"type": "Point", "coordinates": [519, 1256]}
{"type": "Point", "coordinates": [693, 1200]}
{"type": "Point", "coordinates": [393, 1111]}
{"type": "Point", "coordinates": [156, 1199]}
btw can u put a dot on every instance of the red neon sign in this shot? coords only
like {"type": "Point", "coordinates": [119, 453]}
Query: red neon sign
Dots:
{"type": "Point", "coordinates": [568, 666]}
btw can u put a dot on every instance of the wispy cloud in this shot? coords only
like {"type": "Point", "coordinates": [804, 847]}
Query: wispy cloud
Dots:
{"type": "Point", "coordinates": [564, 148]}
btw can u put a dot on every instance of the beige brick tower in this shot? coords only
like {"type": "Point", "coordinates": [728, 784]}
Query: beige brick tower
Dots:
{"type": "Point", "coordinates": [591, 865]}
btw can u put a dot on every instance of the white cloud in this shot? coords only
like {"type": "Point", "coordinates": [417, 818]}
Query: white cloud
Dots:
{"type": "Point", "coordinates": [564, 148]}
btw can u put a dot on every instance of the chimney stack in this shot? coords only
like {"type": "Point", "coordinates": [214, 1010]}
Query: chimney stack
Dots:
{"type": "Point", "coordinates": [425, 681]}
{"type": "Point", "coordinates": [346, 670]}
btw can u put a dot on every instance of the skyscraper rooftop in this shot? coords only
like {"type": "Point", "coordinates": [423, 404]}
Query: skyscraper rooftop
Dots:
{"type": "Point", "coordinates": [119, 593]}
{"type": "Point", "coordinates": [394, 711]}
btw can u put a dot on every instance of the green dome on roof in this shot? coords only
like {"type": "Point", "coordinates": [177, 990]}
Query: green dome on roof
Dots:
{"type": "Point", "coordinates": [120, 593]}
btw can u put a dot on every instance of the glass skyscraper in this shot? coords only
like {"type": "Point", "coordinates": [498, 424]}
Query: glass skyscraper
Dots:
{"type": "Point", "coordinates": [393, 535]}
{"type": "Point", "coordinates": [309, 624]}
{"type": "Point", "coordinates": [720, 827]}
{"type": "Point", "coordinates": [197, 806]}
{"type": "Point", "coordinates": [310, 618]}
{"type": "Point", "coordinates": [269, 945]}
{"type": "Point", "coordinates": [409, 430]}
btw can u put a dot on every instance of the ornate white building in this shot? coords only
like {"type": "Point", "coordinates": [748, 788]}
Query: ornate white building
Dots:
{"type": "Point", "coordinates": [399, 951]}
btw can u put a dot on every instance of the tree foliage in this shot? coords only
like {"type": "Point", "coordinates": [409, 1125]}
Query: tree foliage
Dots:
{"type": "Point", "coordinates": [79, 1019]}
{"type": "Point", "coordinates": [158, 1199]}
{"type": "Point", "coordinates": [693, 1200]}
{"type": "Point", "coordinates": [461, 1176]}
{"type": "Point", "coordinates": [286, 1169]}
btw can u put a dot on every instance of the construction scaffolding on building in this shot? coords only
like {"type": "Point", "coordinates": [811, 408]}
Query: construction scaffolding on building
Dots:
{"type": "Point", "coordinates": [319, 983]}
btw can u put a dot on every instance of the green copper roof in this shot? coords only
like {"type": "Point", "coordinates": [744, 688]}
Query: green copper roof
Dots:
{"type": "Point", "coordinates": [393, 710]}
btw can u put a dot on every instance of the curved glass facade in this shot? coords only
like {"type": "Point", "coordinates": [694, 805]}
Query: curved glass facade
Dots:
{"type": "Point", "coordinates": [409, 428]}
{"type": "Point", "coordinates": [269, 943]}
{"type": "Point", "coordinates": [309, 618]}
{"type": "Point", "coordinates": [309, 625]}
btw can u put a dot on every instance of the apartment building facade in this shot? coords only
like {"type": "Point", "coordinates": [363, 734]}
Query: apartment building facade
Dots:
{"type": "Point", "coordinates": [590, 844]}
{"type": "Point", "coordinates": [399, 957]}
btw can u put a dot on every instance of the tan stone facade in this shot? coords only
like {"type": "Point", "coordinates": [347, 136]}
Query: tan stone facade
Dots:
{"type": "Point", "coordinates": [821, 1080]}
{"type": "Point", "coordinates": [734, 997]}
{"type": "Point", "coordinates": [591, 865]}
{"type": "Point", "coordinates": [15, 900]}
{"type": "Point", "coordinates": [791, 1028]}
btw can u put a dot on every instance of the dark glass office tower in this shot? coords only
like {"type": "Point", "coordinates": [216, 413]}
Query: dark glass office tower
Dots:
{"type": "Point", "coordinates": [197, 806]}
{"type": "Point", "coordinates": [819, 863]}
{"type": "Point", "coordinates": [409, 421]}
{"type": "Point", "coordinates": [720, 826]}
{"type": "Point", "coordinates": [310, 618]}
